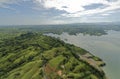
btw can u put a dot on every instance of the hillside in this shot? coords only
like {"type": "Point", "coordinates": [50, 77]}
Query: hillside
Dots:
{"type": "Point", "coordinates": [36, 56]}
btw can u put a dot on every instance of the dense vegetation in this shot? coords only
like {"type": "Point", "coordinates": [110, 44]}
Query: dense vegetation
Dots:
{"type": "Point", "coordinates": [36, 56]}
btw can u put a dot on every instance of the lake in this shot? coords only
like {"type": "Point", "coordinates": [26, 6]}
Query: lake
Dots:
{"type": "Point", "coordinates": [107, 47]}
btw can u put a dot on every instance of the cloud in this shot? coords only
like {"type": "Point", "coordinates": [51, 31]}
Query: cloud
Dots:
{"type": "Point", "coordinates": [75, 8]}
{"type": "Point", "coordinates": [6, 3]}
{"type": "Point", "coordinates": [105, 14]}
{"type": "Point", "coordinates": [112, 6]}
{"type": "Point", "coordinates": [70, 6]}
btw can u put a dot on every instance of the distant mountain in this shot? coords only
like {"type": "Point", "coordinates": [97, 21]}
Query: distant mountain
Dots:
{"type": "Point", "coordinates": [36, 56]}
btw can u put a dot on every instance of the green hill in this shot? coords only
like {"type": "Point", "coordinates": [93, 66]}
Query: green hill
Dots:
{"type": "Point", "coordinates": [36, 56]}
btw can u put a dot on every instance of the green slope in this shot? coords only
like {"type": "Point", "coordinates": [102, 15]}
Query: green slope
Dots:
{"type": "Point", "coordinates": [36, 56]}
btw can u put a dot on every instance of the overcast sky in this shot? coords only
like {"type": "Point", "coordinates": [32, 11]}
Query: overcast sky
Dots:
{"type": "Point", "coordinates": [27, 12]}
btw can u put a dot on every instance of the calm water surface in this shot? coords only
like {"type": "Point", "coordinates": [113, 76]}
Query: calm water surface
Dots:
{"type": "Point", "coordinates": [107, 47]}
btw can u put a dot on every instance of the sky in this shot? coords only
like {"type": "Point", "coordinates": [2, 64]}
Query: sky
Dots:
{"type": "Point", "coordinates": [37, 12]}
